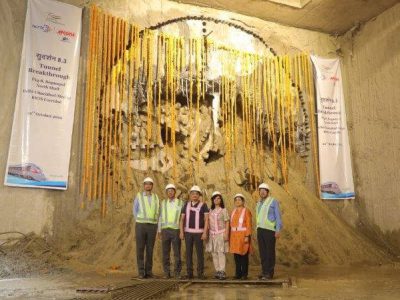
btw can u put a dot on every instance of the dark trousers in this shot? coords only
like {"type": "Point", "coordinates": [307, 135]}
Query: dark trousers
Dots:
{"type": "Point", "coordinates": [242, 264]}
{"type": "Point", "coordinates": [266, 245]}
{"type": "Point", "coordinates": [194, 239]}
{"type": "Point", "coordinates": [145, 239]}
{"type": "Point", "coordinates": [171, 237]}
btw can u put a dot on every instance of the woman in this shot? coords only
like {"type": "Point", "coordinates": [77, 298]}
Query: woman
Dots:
{"type": "Point", "coordinates": [240, 237]}
{"type": "Point", "coordinates": [219, 234]}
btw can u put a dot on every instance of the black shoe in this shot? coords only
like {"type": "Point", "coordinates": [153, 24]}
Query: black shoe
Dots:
{"type": "Point", "coordinates": [201, 277]}
{"type": "Point", "coordinates": [244, 277]}
{"type": "Point", "coordinates": [236, 277]}
{"type": "Point", "coordinates": [149, 276]}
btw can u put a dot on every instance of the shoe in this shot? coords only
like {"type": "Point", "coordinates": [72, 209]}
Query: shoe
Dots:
{"type": "Point", "coordinates": [188, 277]}
{"type": "Point", "coordinates": [266, 277]}
{"type": "Point", "coordinates": [217, 275]}
{"type": "Point", "coordinates": [142, 276]}
{"type": "Point", "coordinates": [236, 277]}
{"type": "Point", "coordinates": [201, 277]}
{"type": "Point", "coordinates": [244, 277]}
{"type": "Point", "coordinates": [222, 275]}
{"type": "Point", "coordinates": [166, 276]}
{"type": "Point", "coordinates": [178, 276]}
{"type": "Point", "coordinates": [149, 276]}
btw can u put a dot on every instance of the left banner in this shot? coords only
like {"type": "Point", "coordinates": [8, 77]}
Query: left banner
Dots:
{"type": "Point", "coordinates": [40, 143]}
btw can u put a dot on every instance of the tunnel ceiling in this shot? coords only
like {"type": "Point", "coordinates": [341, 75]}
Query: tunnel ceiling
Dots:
{"type": "Point", "coordinates": [329, 16]}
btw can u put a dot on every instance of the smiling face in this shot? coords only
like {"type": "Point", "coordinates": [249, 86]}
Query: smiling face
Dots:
{"type": "Point", "coordinates": [263, 193]}
{"type": "Point", "coordinates": [148, 186]}
{"type": "Point", "coordinates": [239, 202]}
{"type": "Point", "coordinates": [171, 193]}
{"type": "Point", "coordinates": [194, 196]}
{"type": "Point", "coordinates": [217, 200]}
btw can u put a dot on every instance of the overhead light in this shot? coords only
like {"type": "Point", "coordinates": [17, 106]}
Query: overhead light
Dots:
{"type": "Point", "coordinates": [292, 3]}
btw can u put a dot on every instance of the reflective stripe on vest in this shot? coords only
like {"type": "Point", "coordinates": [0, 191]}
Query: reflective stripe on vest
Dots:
{"type": "Point", "coordinates": [241, 220]}
{"type": "Point", "coordinates": [190, 208]}
{"type": "Point", "coordinates": [262, 215]}
{"type": "Point", "coordinates": [170, 213]}
{"type": "Point", "coordinates": [147, 213]}
{"type": "Point", "coordinates": [214, 216]}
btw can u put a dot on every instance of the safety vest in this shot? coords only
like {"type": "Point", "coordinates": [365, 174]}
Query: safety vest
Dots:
{"type": "Point", "coordinates": [241, 220]}
{"type": "Point", "coordinates": [197, 209]}
{"type": "Point", "coordinates": [214, 216]}
{"type": "Point", "coordinates": [148, 213]}
{"type": "Point", "coordinates": [262, 215]}
{"type": "Point", "coordinates": [170, 213]}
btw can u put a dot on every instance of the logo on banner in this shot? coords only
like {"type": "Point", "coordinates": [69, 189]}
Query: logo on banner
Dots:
{"type": "Point", "coordinates": [53, 18]}
{"type": "Point", "coordinates": [62, 33]}
{"type": "Point", "coordinates": [45, 28]}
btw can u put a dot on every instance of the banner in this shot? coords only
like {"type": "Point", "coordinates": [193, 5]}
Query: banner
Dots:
{"type": "Point", "coordinates": [40, 142]}
{"type": "Point", "coordinates": [336, 175]}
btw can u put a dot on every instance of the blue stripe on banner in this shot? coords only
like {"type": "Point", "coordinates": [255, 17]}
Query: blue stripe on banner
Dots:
{"type": "Point", "coordinates": [327, 196]}
{"type": "Point", "coordinates": [22, 181]}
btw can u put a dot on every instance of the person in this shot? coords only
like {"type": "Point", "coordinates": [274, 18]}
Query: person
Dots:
{"type": "Point", "coordinates": [193, 229]}
{"type": "Point", "coordinates": [240, 238]}
{"type": "Point", "coordinates": [269, 225]}
{"type": "Point", "coordinates": [168, 229]}
{"type": "Point", "coordinates": [219, 234]}
{"type": "Point", "coordinates": [146, 210]}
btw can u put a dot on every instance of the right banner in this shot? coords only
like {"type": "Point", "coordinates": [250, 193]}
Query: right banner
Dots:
{"type": "Point", "coordinates": [336, 174]}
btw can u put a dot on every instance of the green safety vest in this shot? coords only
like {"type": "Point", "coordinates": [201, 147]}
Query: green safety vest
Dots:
{"type": "Point", "coordinates": [262, 215]}
{"type": "Point", "coordinates": [170, 213]}
{"type": "Point", "coordinates": [148, 213]}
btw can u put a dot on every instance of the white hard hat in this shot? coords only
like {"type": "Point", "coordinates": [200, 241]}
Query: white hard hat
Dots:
{"type": "Point", "coordinates": [195, 188]}
{"type": "Point", "coordinates": [239, 195]}
{"type": "Point", "coordinates": [148, 179]}
{"type": "Point", "coordinates": [264, 186]}
{"type": "Point", "coordinates": [170, 186]}
{"type": "Point", "coordinates": [216, 193]}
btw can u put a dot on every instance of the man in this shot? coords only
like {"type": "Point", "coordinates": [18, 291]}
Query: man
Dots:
{"type": "Point", "coordinates": [269, 225]}
{"type": "Point", "coordinates": [146, 211]}
{"type": "Point", "coordinates": [194, 228]}
{"type": "Point", "coordinates": [168, 228]}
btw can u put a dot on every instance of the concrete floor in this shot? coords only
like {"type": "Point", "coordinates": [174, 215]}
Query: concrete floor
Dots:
{"type": "Point", "coordinates": [312, 283]}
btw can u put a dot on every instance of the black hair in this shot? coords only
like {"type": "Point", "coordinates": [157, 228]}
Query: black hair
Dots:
{"type": "Point", "coordinates": [213, 204]}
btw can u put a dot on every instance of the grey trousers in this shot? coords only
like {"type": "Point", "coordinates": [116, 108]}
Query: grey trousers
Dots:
{"type": "Point", "coordinates": [194, 240]}
{"type": "Point", "coordinates": [145, 239]}
{"type": "Point", "coordinates": [170, 237]}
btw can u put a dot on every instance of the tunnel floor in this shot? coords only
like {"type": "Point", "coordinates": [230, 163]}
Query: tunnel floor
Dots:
{"type": "Point", "coordinates": [360, 282]}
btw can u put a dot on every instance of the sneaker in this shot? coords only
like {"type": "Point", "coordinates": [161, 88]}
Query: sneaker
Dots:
{"type": "Point", "coordinates": [217, 275]}
{"type": "Point", "coordinates": [222, 275]}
